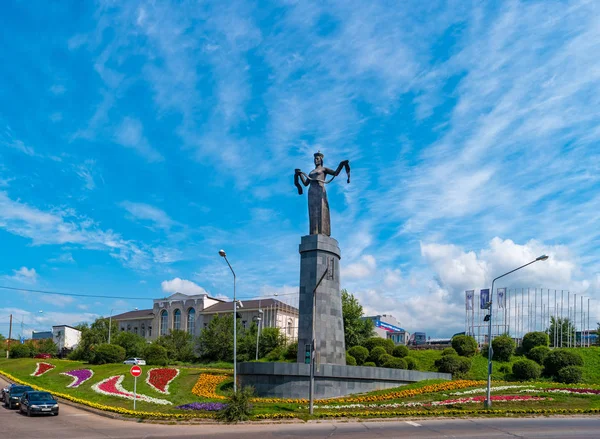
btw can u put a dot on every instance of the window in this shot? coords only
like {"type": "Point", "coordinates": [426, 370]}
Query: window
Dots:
{"type": "Point", "coordinates": [143, 330]}
{"type": "Point", "coordinates": [244, 323]}
{"type": "Point", "coordinates": [290, 327]}
{"type": "Point", "coordinates": [135, 330]}
{"type": "Point", "coordinates": [164, 322]}
{"type": "Point", "coordinates": [191, 321]}
{"type": "Point", "coordinates": [128, 328]}
{"type": "Point", "coordinates": [149, 331]}
{"type": "Point", "coordinates": [177, 319]}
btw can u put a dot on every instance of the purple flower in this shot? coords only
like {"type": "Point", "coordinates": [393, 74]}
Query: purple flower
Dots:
{"type": "Point", "coordinates": [80, 376]}
{"type": "Point", "coordinates": [206, 406]}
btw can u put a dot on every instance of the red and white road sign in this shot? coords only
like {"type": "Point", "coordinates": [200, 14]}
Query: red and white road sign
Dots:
{"type": "Point", "coordinates": [136, 371]}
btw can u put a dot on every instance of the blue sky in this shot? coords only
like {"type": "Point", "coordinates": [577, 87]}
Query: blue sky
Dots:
{"type": "Point", "coordinates": [138, 138]}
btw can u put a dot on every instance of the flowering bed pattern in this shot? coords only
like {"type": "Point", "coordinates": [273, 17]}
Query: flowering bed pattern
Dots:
{"type": "Point", "coordinates": [203, 406]}
{"type": "Point", "coordinates": [42, 368]}
{"type": "Point", "coordinates": [112, 387]}
{"type": "Point", "coordinates": [206, 386]}
{"type": "Point", "coordinates": [79, 376]}
{"type": "Point", "coordinates": [159, 379]}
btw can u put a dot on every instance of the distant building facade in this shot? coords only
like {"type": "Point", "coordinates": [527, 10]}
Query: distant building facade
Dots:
{"type": "Point", "coordinates": [41, 335]}
{"type": "Point", "coordinates": [66, 338]}
{"type": "Point", "coordinates": [193, 313]}
{"type": "Point", "coordinates": [386, 326]}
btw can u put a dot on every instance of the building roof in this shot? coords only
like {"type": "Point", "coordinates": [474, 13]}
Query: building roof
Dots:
{"type": "Point", "coordinates": [248, 305]}
{"type": "Point", "coordinates": [137, 314]}
{"type": "Point", "coordinates": [65, 326]}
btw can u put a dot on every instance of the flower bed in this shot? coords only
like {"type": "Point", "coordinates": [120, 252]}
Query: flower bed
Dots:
{"type": "Point", "coordinates": [484, 389]}
{"type": "Point", "coordinates": [42, 368]}
{"type": "Point", "coordinates": [79, 376]}
{"type": "Point", "coordinates": [112, 387]}
{"type": "Point", "coordinates": [573, 390]}
{"type": "Point", "coordinates": [206, 386]}
{"type": "Point", "coordinates": [203, 406]}
{"type": "Point", "coordinates": [159, 379]}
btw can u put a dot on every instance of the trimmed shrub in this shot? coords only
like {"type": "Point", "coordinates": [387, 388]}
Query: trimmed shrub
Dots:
{"type": "Point", "coordinates": [484, 351]}
{"type": "Point", "coordinates": [570, 375]}
{"type": "Point", "coordinates": [449, 351]}
{"type": "Point", "coordinates": [505, 368]}
{"type": "Point", "coordinates": [560, 358]}
{"type": "Point", "coordinates": [538, 354]}
{"type": "Point", "coordinates": [369, 364]}
{"type": "Point", "coordinates": [350, 360]}
{"type": "Point", "coordinates": [464, 345]}
{"type": "Point", "coordinates": [400, 351]}
{"type": "Point", "coordinates": [411, 363]}
{"type": "Point", "coordinates": [524, 370]}
{"type": "Point", "coordinates": [503, 347]}
{"type": "Point", "coordinates": [155, 355]}
{"type": "Point", "coordinates": [20, 351]}
{"type": "Point", "coordinates": [291, 352]}
{"type": "Point", "coordinates": [384, 359]}
{"type": "Point", "coordinates": [385, 343]}
{"type": "Point", "coordinates": [395, 363]}
{"type": "Point", "coordinates": [377, 352]}
{"type": "Point", "coordinates": [453, 364]}
{"type": "Point", "coordinates": [360, 353]}
{"type": "Point", "coordinates": [533, 339]}
{"type": "Point", "coordinates": [276, 354]}
{"type": "Point", "coordinates": [108, 353]}
{"type": "Point", "coordinates": [238, 406]}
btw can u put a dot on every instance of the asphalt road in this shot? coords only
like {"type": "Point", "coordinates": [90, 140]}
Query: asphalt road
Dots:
{"type": "Point", "coordinates": [74, 422]}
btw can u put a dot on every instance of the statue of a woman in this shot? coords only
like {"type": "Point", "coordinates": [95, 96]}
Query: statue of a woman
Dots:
{"type": "Point", "coordinates": [318, 206]}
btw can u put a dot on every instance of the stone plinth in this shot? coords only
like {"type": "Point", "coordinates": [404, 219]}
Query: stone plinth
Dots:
{"type": "Point", "coordinates": [316, 251]}
{"type": "Point", "coordinates": [291, 380]}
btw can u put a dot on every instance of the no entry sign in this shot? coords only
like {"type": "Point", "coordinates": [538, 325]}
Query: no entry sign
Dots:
{"type": "Point", "coordinates": [136, 371]}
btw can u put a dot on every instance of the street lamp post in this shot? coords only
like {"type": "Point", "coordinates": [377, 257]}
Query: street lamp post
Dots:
{"type": "Point", "coordinates": [488, 401]}
{"type": "Point", "coordinates": [258, 319]}
{"type": "Point", "coordinates": [110, 324]}
{"type": "Point", "coordinates": [224, 256]}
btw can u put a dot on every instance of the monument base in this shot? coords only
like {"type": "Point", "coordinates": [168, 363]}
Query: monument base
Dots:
{"type": "Point", "coordinates": [291, 380]}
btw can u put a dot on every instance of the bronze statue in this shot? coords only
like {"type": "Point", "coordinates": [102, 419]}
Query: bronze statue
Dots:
{"type": "Point", "coordinates": [318, 207]}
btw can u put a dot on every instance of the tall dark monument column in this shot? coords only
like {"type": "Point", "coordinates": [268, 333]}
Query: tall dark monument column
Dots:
{"type": "Point", "coordinates": [316, 252]}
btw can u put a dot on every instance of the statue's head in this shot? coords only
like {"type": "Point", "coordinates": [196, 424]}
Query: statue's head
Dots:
{"type": "Point", "coordinates": [318, 158]}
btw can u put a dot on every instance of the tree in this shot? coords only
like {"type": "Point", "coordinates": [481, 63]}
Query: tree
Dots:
{"type": "Point", "coordinates": [91, 336]}
{"type": "Point", "coordinates": [270, 339]}
{"type": "Point", "coordinates": [533, 339]}
{"type": "Point", "coordinates": [356, 329]}
{"type": "Point", "coordinates": [464, 345]}
{"type": "Point", "coordinates": [215, 343]}
{"type": "Point", "coordinates": [133, 344]}
{"type": "Point", "coordinates": [503, 347]}
{"type": "Point", "coordinates": [562, 326]}
{"type": "Point", "coordinates": [179, 345]}
{"type": "Point", "coordinates": [47, 346]}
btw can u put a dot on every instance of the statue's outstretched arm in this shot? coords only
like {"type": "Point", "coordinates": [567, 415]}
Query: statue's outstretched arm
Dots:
{"type": "Point", "coordinates": [343, 164]}
{"type": "Point", "coordinates": [299, 175]}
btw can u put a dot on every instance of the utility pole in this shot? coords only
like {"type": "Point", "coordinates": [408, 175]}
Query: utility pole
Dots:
{"type": "Point", "coordinates": [9, 336]}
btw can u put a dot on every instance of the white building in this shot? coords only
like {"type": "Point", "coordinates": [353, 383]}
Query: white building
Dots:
{"type": "Point", "coordinates": [386, 326]}
{"type": "Point", "coordinates": [65, 337]}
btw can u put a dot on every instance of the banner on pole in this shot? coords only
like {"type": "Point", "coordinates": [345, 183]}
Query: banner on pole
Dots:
{"type": "Point", "coordinates": [484, 298]}
{"type": "Point", "coordinates": [469, 299]}
{"type": "Point", "coordinates": [501, 297]}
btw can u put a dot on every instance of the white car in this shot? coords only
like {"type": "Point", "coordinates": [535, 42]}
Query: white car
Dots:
{"type": "Point", "coordinates": [136, 361]}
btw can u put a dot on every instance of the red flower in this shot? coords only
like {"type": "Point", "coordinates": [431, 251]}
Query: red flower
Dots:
{"type": "Point", "coordinates": [42, 368]}
{"type": "Point", "coordinates": [160, 379]}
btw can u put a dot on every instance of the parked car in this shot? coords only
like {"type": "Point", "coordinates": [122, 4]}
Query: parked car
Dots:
{"type": "Point", "coordinates": [38, 403]}
{"type": "Point", "coordinates": [137, 361]}
{"type": "Point", "coordinates": [12, 398]}
{"type": "Point", "coordinates": [45, 356]}
{"type": "Point", "coordinates": [4, 391]}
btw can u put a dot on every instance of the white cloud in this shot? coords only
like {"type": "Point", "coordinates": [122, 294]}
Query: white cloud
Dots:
{"type": "Point", "coordinates": [130, 134]}
{"type": "Point", "coordinates": [146, 212]}
{"type": "Point", "coordinates": [86, 171]}
{"type": "Point", "coordinates": [364, 268]}
{"type": "Point", "coordinates": [58, 89]}
{"type": "Point", "coordinates": [57, 300]}
{"type": "Point", "coordinates": [183, 286]}
{"type": "Point", "coordinates": [24, 275]}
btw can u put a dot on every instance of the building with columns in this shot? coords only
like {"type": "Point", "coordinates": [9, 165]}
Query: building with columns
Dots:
{"type": "Point", "coordinates": [193, 314]}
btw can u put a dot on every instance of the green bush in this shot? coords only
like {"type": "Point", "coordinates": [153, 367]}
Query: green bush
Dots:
{"type": "Point", "coordinates": [395, 363]}
{"type": "Point", "coordinates": [155, 355]}
{"type": "Point", "coordinates": [453, 364]}
{"type": "Point", "coordinates": [560, 358]}
{"type": "Point", "coordinates": [20, 351]}
{"type": "Point", "coordinates": [464, 345]}
{"type": "Point", "coordinates": [524, 370]}
{"type": "Point", "coordinates": [484, 351]}
{"type": "Point", "coordinates": [505, 368]}
{"type": "Point", "coordinates": [291, 352]}
{"type": "Point", "coordinates": [360, 353]}
{"type": "Point", "coordinates": [449, 351]}
{"type": "Point", "coordinates": [276, 354]}
{"type": "Point", "coordinates": [503, 348]}
{"type": "Point", "coordinates": [108, 353]}
{"type": "Point", "coordinates": [385, 343]}
{"type": "Point", "coordinates": [238, 406]}
{"type": "Point", "coordinates": [533, 339]}
{"type": "Point", "coordinates": [384, 359]}
{"type": "Point", "coordinates": [411, 363]}
{"type": "Point", "coordinates": [369, 364]}
{"type": "Point", "coordinates": [538, 354]}
{"type": "Point", "coordinates": [400, 351]}
{"type": "Point", "coordinates": [377, 352]}
{"type": "Point", "coordinates": [570, 375]}
{"type": "Point", "coordinates": [350, 360]}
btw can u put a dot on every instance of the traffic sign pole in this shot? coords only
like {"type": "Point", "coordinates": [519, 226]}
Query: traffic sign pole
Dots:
{"type": "Point", "coordinates": [134, 391]}
{"type": "Point", "coordinates": [135, 371]}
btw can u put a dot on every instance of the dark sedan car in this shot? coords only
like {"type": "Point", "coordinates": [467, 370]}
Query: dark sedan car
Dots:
{"type": "Point", "coordinates": [38, 403]}
{"type": "Point", "coordinates": [4, 391]}
{"type": "Point", "coordinates": [12, 398]}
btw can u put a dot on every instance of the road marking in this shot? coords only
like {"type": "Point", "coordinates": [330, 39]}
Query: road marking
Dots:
{"type": "Point", "coordinates": [414, 424]}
